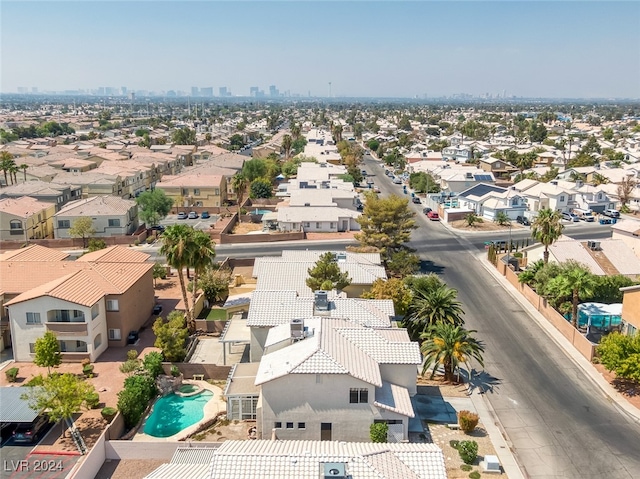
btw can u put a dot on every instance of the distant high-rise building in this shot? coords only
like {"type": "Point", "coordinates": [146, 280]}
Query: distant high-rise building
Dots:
{"type": "Point", "coordinates": [206, 91]}
{"type": "Point", "coordinates": [195, 91]}
{"type": "Point", "coordinates": [223, 91]}
{"type": "Point", "coordinates": [132, 95]}
{"type": "Point", "coordinates": [273, 91]}
{"type": "Point", "coordinates": [123, 90]}
{"type": "Point", "coordinates": [23, 89]}
{"type": "Point", "coordinates": [253, 91]}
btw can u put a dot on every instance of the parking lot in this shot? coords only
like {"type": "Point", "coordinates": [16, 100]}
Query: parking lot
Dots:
{"type": "Point", "coordinates": [198, 223]}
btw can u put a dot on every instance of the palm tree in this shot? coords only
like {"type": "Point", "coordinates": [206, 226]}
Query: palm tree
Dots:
{"type": "Point", "coordinates": [286, 146]}
{"type": "Point", "coordinates": [177, 245]}
{"type": "Point", "coordinates": [449, 345]}
{"type": "Point", "coordinates": [239, 184]}
{"type": "Point", "coordinates": [431, 306]}
{"type": "Point", "coordinates": [575, 281]}
{"type": "Point", "coordinates": [202, 254]}
{"type": "Point", "coordinates": [547, 228]}
{"type": "Point", "coordinates": [599, 179]}
{"type": "Point", "coordinates": [295, 131]}
{"type": "Point", "coordinates": [6, 164]}
{"type": "Point", "coordinates": [24, 168]}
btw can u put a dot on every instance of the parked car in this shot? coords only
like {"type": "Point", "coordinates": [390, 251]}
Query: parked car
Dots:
{"type": "Point", "coordinates": [376, 189]}
{"type": "Point", "coordinates": [193, 215]}
{"type": "Point", "coordinates": [611, 213]}
{"type": "Point", "coordinates": [523, 220]}
{"type": "Point", "coordinates": [157, 309]}
{"type": "Point", "coordinates": [397, 181]}
{"type": "Point", "coordinates": [416, 200]}
{"type": "Point", "coordinates": [205, 215]}
{"type": "Point", "coordinates": [182, 215]}
{"type": "Point", "coordinates": [29, 432]}
{"type": "Point", "coordinates": [133, 337]}
{"type": "Point", "coordinates": [158, 228]}
{"type": "Point", "coordinates": [364, 173]}
{"type": "Point", "coordinates": [360, 207]}
{"type": "Point", "coordinates": [570, 217]}
{"type": "Point", "coordinates": [433, 216]}
{"type": "Point", "coordinates": [426, 210]}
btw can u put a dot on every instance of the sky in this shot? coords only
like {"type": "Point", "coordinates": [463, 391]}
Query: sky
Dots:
{"type": "Point", "coordinates": [545, 49]}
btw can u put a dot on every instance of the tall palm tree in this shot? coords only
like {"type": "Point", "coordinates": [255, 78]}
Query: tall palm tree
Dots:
{"type": "Point", "coordinates": [576, 281]}
{"type": "Point", "coordinates": [177, 246]}
{"type": "Point", "coordinates": [202, 255]}
{"type": "Point", "coordinates": [296, 131]}
{"type": "Point", "coordinates": [24, 168]}
{"type": "Point", "coordinates": [449, 345]}
{"type": "Point", "coordinates": [428, 307]}
{"type": "Point", "coordinates": [239, 184]}
{"type": "Point", "coordinates": [547, 228]}
{"type": "Point", "coordinates": [286, 146]}
{"type": "Point", "coordinates": [6, 164]}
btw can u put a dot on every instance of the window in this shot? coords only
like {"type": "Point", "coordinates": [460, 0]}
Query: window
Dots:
{"type": "Point", "coordinates": [33, 318]}
{"type": "Point", "coordinates": [277, 425]}
{"type": "Point", "coordinates": [302, 425]}
{"type": "Point", "coordinates": [32, 348]}
{"type": "Point", "coordinates": [112, 305]}
{"type": "Point", "coordinates": [562, 198]}
{"type": "Point", "coordinates": [317, 225]}
{"type": "Point", "coordinates": [196, 192]}
{"type": "Point", "coordinates": [358, 396]}
{"type": "Point", "coordinates": [307, 225]}
{"type": "Point", "coordinates": [185, 192]}
{"type": "Point", "coordinates": [333, 225]}
{"type": "Point", "coordinates": [15, 225]}
{"type": "Point", "coordinates": [97, 341]}
{"type": "Point", "coordinates": [114, 335]}
{"type": "Point", "coordinates": [95, 310]}
{"type": "Point", "coordinates": [64, 223]}
{"type": "Point", "coordinates": [289, 425]}
{"type": "Point", "coordinates": [114, 222]}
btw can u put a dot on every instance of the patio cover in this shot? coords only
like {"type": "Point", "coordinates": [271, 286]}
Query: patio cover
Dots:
{"type": "Point", "coordinates": [13, 408]}
{"type": "Point", "coordinates": [235, 332]}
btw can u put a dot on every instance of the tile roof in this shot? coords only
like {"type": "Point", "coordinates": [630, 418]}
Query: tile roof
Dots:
{"type": "Point", "coordinates": [394, 398]}
{"type": "Point", "coordinates": [115, 254]}
{"type": "Point", "coordinates": [97, 206]}
{"type": "Point", "coordinates": [263, 459]}
{"type": "Point", "coordinates": [621, 256]}
{"type": "Point", "coordinates": [181, 471]}
{"type": "Point", "coordinates": [34, 252]}
{"type": "Point", "coordinates": [203, 181]}
{"type": "Point", "coordinates": [314, 213]}
{"type": "Point", "coordinates": [23, 207]}
{"type": "Point", "coordinates": [629, 226]}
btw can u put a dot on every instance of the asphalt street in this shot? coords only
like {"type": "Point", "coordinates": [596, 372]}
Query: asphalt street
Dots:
{"type": "Point", "coordinates": [559, 423]}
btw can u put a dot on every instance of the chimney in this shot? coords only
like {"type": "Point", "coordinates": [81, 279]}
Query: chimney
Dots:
{"type": "Point", "coordinates": [321, 301]}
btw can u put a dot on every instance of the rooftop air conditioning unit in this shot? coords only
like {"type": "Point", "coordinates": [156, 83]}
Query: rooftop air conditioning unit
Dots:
{"type": "Point", "coordinates": [321, 301]}
{"type": "Point", "coordinates": [297, 328]}
{"type": "Point", "coordinates": [596, 245]}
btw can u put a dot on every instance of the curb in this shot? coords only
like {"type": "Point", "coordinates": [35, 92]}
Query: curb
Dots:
{"type": "Point", "coordinates": [55, 453]}
{"type": "Point", "coordinates": [580, 361]}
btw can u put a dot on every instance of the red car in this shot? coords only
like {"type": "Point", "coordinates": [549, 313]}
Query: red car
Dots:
{"type": "Point", "coordinates": [433, 216]}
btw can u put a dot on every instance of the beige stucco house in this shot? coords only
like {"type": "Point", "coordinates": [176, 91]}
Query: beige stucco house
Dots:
{"type": "Point", "coordinates": [26, 218]}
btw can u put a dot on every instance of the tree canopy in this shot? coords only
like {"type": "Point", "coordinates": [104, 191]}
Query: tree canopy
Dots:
{"type": "Point", "coordinates": [82, 228]}
{"type": "Point", "coordinates": [153, 206]}
{"type": "Point", "coordinates": [47, 351]}
{"type": "Point", "coordinates": [326, 274]}
{"type": "Point", "coordinates": [171, 336]}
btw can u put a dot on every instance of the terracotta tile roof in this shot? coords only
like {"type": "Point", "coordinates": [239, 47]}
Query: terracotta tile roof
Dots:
{"type": "Point", "coordinates": [203, 181]}
{"type": "Point", "coordinates": [97, 206]}
{"type": "Point", "coordinates": [24, 207]}
{"type": "Point", "coordinates": [34, 252]}
{"type": "Point", "coordinates": [115, 254]}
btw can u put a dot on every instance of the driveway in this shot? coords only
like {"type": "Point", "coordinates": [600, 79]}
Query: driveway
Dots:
{"type": "Point", "coordinates": [198, 223]}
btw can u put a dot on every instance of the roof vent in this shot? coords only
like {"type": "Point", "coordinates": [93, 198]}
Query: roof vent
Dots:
{"type": "Point", "coordinates": [469, 175]}
{"type": "Point", "coordinates": [321, 301]}
{"type": "Point", "coordinates": [334, 469]}
{"type": "Point", "coordinates": [297, 328]}
{"type": "Point", "coordinates": [593, 245]}
{"type": "Point", "coordinates": [341, 257]}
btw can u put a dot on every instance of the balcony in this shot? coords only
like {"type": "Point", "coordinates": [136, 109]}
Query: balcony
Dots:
{"type": "Point", "coordinates": [67, 328]}
{"type": "Point", "coordinates": [65, 316]}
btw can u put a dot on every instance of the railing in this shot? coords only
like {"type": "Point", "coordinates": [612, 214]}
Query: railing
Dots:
{"type": "Point", "coordinates": [67, 329]}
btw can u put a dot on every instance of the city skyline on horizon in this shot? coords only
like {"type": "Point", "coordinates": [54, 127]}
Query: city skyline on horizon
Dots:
{"type": "Point", "coordinates": [387, 49]}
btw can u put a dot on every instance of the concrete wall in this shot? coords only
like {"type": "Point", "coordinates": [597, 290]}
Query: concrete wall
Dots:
{"type": "Point", "coordinates": [210, 371]}
{"type": "Point", "coordinates": [74, 243]}
{"type": "Point", "coordinates": [134, 308]}
{"type": "Point", "coordinates": [261, 238]}
{"type": "Point", "coordinates": [401, 374]}
{"type": "Point", "coordinates": [256, 346]}
{"type": "Point", "coordinates": [314, 399]}
{"type": "Point", "coordinates": [90, 464]}
{"type": "Point", "coordinates": [119, 450]}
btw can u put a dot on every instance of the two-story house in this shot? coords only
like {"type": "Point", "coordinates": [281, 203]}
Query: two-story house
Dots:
{"type": "Point", "coordinates": [195, 189]}
{"type": "Point", "coordinates": [110, 215]}
{"type": "Point", "coordinates": [26, 218]}
{"type": "Point", "coordinates": [631, 309]}
{"type": "Point", "coordinates": [43, 191]}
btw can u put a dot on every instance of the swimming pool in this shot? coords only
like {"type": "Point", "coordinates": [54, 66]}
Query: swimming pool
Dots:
{"type": "Point", "coordinates": [172, 413]}
{"type": "Point", "coordinates": [260, 212]}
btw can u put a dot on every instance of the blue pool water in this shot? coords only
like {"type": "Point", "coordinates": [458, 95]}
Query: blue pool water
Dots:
{"type": "Point", "coordinates": [597, 321]}
{"type": "Point", "coordinates": [260, 212]}
{"type": "Point", "coordinates": [171, 414]}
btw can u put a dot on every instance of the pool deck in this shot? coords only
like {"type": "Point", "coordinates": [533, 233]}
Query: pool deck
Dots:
{"type": "Point", "coordinates": [213, 407]}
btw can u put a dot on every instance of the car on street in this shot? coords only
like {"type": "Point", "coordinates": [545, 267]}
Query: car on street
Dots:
{"type": "Point", "coordinates": [133, 336]}
{"type": "Point", "coordinates": [182, 215]}
{"type": "Point", "coordinates": [416, 200]}
{"type": "Point", "coordinates": [523, 220]}
{"type": "Point", "coordinates": [158, 228]}
{"type": "Point", "coordinates": [570, 217]}
{"type": "Point", "coordinates": [29, 432]}
{"type": "Point", "coordinates": [611, 213]}
{"type": "Point", "coordinates": [205, 215]}
{"type": "Point", "coordinates": [433, 216]}
{"type": "Point", "coordinates": [397, 181]}
{"type": "Point", "coordinates": [364, 173]}
{"type": "Point", "coordinates": [426, 210]}
{"type": "Point", "coordinates": [193, 215]}
{"type": "Point", "coordinates": [376, 189]}
{"type": "Point", "coordinates": [157, 309]}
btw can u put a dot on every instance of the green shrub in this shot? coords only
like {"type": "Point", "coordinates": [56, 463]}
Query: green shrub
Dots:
{"type": "Point", "coordinates": [88, 370]}
{"type": "Point", "coordinates": [108, 413]}
{"type": "Point", "coordinates": [150, 239]}
{"type": "Point", "coordinates": [378, 432]}
{"type": "Point", "coordinates": [474, 475]}
{"type": "Point", "coordinates": [152, 362]}
{"type": "Point", "coordinates": [12, 374]}
{"type": "Point", "coordinates": [454, 443]}
{"type": "Point", "coordinates": [132, 354]}
{"type": "Point", "coordinates": [468, 451]}
{"type": "Point", "coordinates": [136, 243]}
{"type": "Point", "coordinates": [35, 381]}
{"type": "Point", "coordinates": [466, 467]}
{"type": "Point", "coordinates": [467, 421]}
{"type": "Point", "coordinates": [175, 372]}
{"type": "Point", "coordinates": [93, 400]}
{"type": "Point", "coordinates": [138, 390]}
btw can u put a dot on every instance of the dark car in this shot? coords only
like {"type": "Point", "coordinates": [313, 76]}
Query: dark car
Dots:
{"type": "Point", "coordinates": [133, 337]}
{"type": "Point", "coordinates": [205, 215]}
{"type": "Point", "coordinates": [30, 432]}
{"type": "Point", "coordinates": [416, 200]}
{"type": "Point", "coordinates": [426, 210]}
{"type": "Point", "coordinates": [523, 220]}
{"type": "Point", "coordinates": [157, 309]}
{"type": "Point", "coordinates": [360, 207]}
{"type": "Point", "coordinates": [158, 228]}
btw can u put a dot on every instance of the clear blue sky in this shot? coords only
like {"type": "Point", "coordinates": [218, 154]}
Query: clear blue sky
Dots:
{"type": "Point", "coordinates": [394, 48]}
